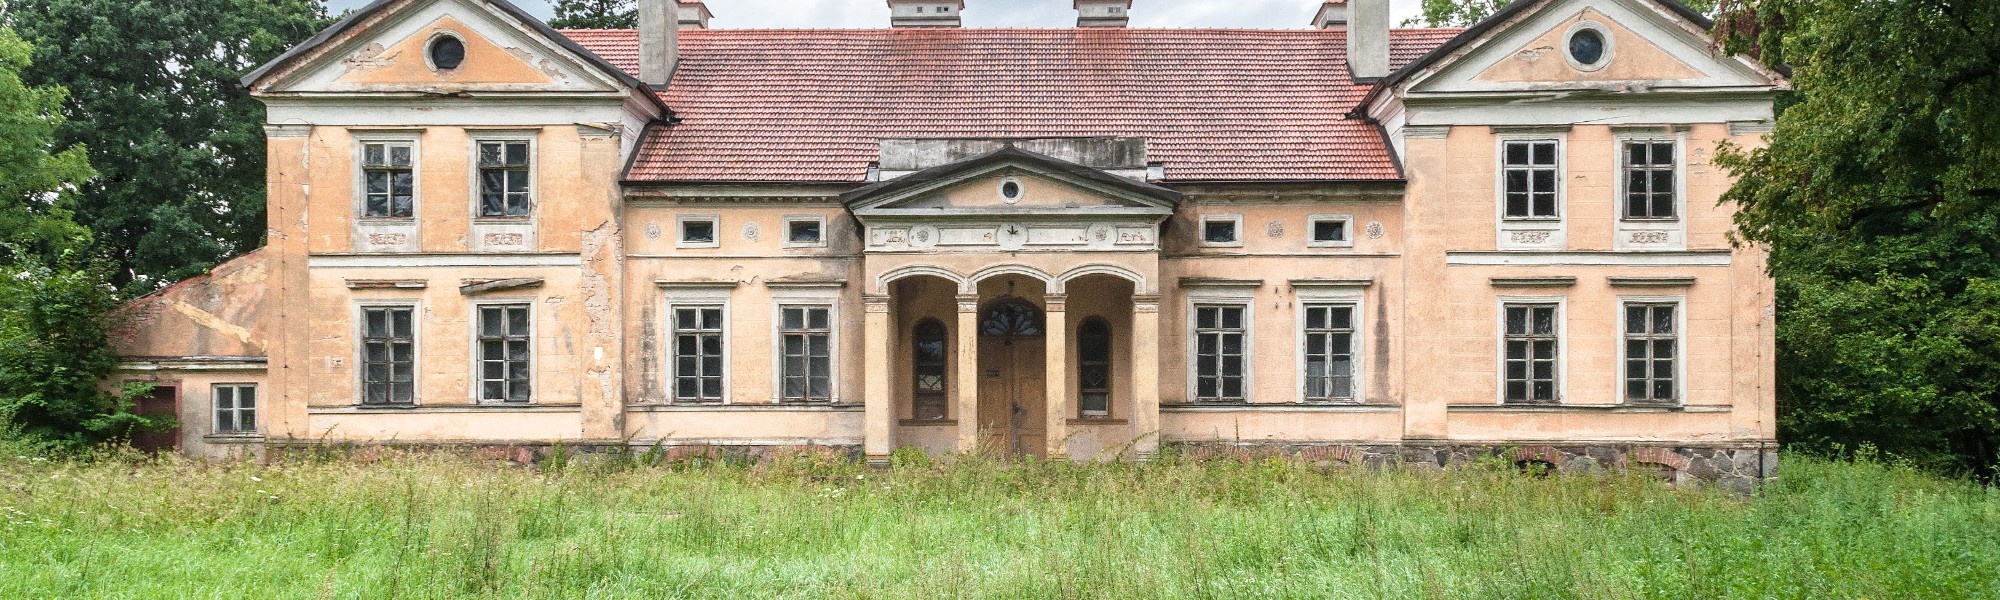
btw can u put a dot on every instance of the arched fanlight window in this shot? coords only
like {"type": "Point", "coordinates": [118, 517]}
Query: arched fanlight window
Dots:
{"type": "Point", "coordinates": [1093, 367]}
{"type": "Point", "coordinates": [928, 345]}
{"type": "Point", "coordinates": [1011, 317]}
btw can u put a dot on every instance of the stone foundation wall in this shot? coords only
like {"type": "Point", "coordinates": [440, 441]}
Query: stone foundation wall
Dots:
{"type": "Point", "coordinates": [1736, 467]}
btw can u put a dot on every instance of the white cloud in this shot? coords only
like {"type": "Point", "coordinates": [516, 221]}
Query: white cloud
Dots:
{"type": "Point", "coordinates": [1278, 14]}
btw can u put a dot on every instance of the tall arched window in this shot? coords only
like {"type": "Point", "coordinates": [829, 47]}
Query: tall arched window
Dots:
{"type": "Point", "coordinates": [1093, 367]}
{"type": "Point", "coordinates": [928, 368]}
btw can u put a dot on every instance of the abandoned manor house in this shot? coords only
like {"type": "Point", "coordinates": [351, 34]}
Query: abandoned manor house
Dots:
{"type": "Point", "coordinates": [1351, 242]}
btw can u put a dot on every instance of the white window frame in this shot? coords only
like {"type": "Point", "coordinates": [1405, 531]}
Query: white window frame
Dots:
{"type": "Point", "coordinates": [1562, 346]}
{"type": "Point", "coordinates": [828, 296]}
{"type": "Point", "coordinates": [680, 230]}
{"type": "Point", "coordinates": [1201, 231]}
{"type": "Point", "coordinates": [1675, 230]}
{"type": "Point", "coordinates": [360, 353]}
{"type": "Point", "coordinates": [236, 399]}
{"type": "Point", "coordinates": [1556, 228]}
{"type": "Point", "coordinates": [1347, 231]}
{"type": "Point", "coordinates": [534, 353]}
{"type": "Point", "coordinates": [790, 219]}
{"type": "Point", "coordinates": [473, 140]}
{"type": "Point", "coordinates": [362, 139]}
{"type": "Point", "coordinates": [1244, 295]}
{"type": "Point", "coordinates": [676, 297]}
{"type": "Point", "coordinates": [1680, 347]}
{"type": "Point", "coordinates": [1354, 297]}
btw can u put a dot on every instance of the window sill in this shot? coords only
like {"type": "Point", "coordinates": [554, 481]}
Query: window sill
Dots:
{"type": "Point", "coordinates": [817, 407]}
{"type": "Point", "coordinates": [928, 423]}
{"type": "Point", "coordinates": [385, 220]}
{"type": "Point", "coordinates": [454, 408]}
{"type": "Point", "coordinates": [249, 437]}
{"type": "Point", "coordinates": [1285, 407]}
{"type": "Point", "coordinates": [1097, 421]}
{"type": "Point", "coordinates": [1585, 408]}
{"type": "Point", "coordinates": [523, 220]}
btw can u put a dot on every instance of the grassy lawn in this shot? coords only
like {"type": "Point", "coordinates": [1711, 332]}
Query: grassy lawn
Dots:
{"type": "Point", "coordinates": [435, 526]}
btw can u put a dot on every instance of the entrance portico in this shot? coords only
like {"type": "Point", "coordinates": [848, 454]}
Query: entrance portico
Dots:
{"type": "Point", "coordinates": [1014, 309]}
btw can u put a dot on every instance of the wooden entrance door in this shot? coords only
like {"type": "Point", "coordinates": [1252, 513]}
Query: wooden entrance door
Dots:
{"type": "Point", "coordinates": [1012, 403]}
{"type": "Point", "coordinates": [165, 401]}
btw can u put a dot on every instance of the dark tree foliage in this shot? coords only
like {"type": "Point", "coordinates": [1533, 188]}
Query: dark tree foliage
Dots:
{"type": "Point", "coordinates": [1878, 198]}
{"type": "Point", "coordinates": [595, 14]}
{"type": "Point", "coordinates": [154, 94]}
{"type": "Point", "coordinates": [1463, 13]}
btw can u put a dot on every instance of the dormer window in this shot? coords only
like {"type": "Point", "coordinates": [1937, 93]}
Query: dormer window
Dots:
{"type": "Point", "coordinates": [447, 52]}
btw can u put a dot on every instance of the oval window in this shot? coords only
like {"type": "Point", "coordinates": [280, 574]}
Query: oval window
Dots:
{"type": "Point", "coordinates": [1010, 190]}
{"type": "Point", "coordinates": [1586, 47]}
{"type": "Point", "coordinates": [447, 53]}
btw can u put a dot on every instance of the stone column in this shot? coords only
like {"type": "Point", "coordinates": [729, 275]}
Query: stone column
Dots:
{"type": "Point", "coordinates": [967, 372]}
{"type": "Point", "coordinates": [1145, 419]}
{"type": "Point", "coordinates": [1055, 373]}
{"type": "Point", "coordinates": [879, 408]}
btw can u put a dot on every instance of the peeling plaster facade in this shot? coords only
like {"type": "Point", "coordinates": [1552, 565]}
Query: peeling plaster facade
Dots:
{"type": "Point", "coordinates": [1077, 233]}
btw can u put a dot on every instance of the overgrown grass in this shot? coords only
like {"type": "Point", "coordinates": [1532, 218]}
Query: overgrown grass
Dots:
{"type": "Point", "coordinates": [436, 526]}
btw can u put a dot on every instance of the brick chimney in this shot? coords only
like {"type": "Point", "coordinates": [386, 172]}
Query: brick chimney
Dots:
{"type": "Point", "coordinates": [694, 14]}
{"type": "Point", "coordinates": [1103, 13]}
{"type": "Point", "coordinates": [659, 41]}
{"type": "Point", "coordinates": [1368, 39]}
{"type": "Point", "coordinates": [1332, 15]}
{"type": "Point", "coordinates": [925, 13]}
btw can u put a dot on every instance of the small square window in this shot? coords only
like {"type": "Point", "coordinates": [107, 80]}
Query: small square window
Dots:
{"type": "Point", "coordinates": [699, 232]}
{"type": "Point", "coordinates": [805, 232]}
{"type": "Point", "coordinates": [1221, 231]}
{"type": "Point", "coordinates": [1329, 231]}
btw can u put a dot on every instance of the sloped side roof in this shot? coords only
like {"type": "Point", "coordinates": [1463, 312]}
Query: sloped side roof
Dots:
{"type": "Point", "coordinates": [811, 105]}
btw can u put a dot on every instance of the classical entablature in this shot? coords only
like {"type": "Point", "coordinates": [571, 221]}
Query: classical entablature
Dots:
{"type": "Point", "coordinates": [1011, 200]}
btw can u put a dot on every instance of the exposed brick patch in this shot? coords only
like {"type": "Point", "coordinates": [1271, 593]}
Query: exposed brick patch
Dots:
{"type": "Point", "coordinates": [1658, 456]}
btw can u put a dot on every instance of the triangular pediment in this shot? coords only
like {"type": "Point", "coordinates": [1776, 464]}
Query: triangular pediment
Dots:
{"type": "Point", "coordinates": [1646, 45]}
{"type": "Point", "coordinates": [1010, 181]}
{"type": "Point", "coordinates": [386, 49]}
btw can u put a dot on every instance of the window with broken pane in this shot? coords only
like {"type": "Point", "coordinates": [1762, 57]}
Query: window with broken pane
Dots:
{"type": "Point", "coordinates": [1532, 353]}
{"type": "Point", "coordinates": [389, 181]}
{"type": "Point", "coordinates": [504, 353]}
{"type": "Point", "coordinates": [929, 349]}
{"type": "Point", "coordinates": [388, 355]}
{"type": "Point", "coordinates": [504, 179]}
{"type": "Point", "coordinates": [1530, 177]}
{"type": "Point", "coordinates": [1652, 343]}
{"type": "Point", "coordinates": [1093, 367]}
{"type": "Point", "coordinates": [1649, 181]}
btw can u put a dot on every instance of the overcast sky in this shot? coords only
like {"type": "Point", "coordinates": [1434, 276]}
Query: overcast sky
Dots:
{"type": "Point", "coordinates": [997, 13]}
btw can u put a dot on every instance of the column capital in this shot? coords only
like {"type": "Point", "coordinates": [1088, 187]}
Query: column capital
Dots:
{"type": "Point", "coordinates": [1146, 303]}
{"type": "Point", "coordinates": [876, 303]}
{"type": "Point", "coordinates": [1055, 302]}
{"type": "Point", "coordinates": [968, 303]}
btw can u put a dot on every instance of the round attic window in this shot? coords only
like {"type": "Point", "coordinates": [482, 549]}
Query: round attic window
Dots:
{"type": "Point", "coordinates": [1589, 50]}
{"type": "Point", "coordinates": [1010, 190]}
{"type": "Point", "coordinates": [447, 52]}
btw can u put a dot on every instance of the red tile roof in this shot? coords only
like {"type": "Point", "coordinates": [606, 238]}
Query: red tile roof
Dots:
{"type": "Point", "coordinates": [801, 105]}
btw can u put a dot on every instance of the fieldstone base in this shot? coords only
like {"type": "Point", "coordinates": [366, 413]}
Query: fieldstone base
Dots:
{"type": "Point", "coordinates": [1735, 467]}
{"type": "Point", "coordinates": [535, 452]}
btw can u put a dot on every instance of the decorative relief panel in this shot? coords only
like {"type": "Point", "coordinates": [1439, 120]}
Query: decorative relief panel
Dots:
{"type": "Point", "coordinates": [1532, 235]}
{"type": "Point", "coordinates": [385, 236]}
{"type": "Point", "coordinates": [1011, 236]}
{"type": "Point", "coordinates": [503, 236]}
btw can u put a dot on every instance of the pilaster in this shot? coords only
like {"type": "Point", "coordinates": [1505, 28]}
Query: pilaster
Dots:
{"type": "Point", "coordinates": [1055, 374]}
{"type": "Point", "coordinates": [967, 374]}
{"type": "Point", "coordinates": [1145, 376]}
{"type": "Point", "coordinates": [878, 410]}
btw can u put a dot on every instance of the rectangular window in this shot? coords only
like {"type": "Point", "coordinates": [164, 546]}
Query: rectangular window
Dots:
{"type": "Point", "coordinates": [235, 408]}
{"type": "Point", "coordinates": [805, 231]}
{"type": "Point", "coordinates": [388, 179]}
{"type": "Point", "coordinates": [1651, 343]}
{"type": "Point", "coordinates": [1220, 231]}
{"type": "Point", "coordinates": [504, 353]}
{"type": "Point", "coordinates": [1531, 345]}
{"type": "Point", "coordinates": [1531, 180]}
{"type": "Point", "coordinates": [388, 355]}
{"type": "Point", "coordinates": [1649, 180]}
{"type": "Point", "coordinates": [1093, 368]}
{"type": "Point", "coordinates": [1328, 231]}
{"type": "Point", "coordinates": [503, 179]}
{"type": "Point", "coordinates": [1219, 340]}
{"type": "Point", "coordinates": [698, 348]}
{"type": "Point", "coordinates": [806, 338]}
{"type": "Point", "coordinates": [1329, 353]}
{"type": "Point", "coordinates": [698, 232]}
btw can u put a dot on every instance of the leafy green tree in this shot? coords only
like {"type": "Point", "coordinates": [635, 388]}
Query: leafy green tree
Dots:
{"type": "Point", "coordinates": [155, 96]}
{"type": "Point", "coordinates": [55, 306]}
{"type": "Point", "coordinates": [1463, 13]}
{"type": "Point", "coordinates": [1878, 197]}
{"type": "Point", "coordinates": [595, 14]}
{"type": "Point", "coordinates": [37, 183]}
